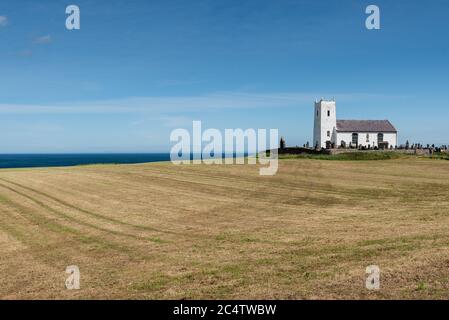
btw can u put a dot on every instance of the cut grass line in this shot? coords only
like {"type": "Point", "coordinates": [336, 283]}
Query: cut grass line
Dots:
{"type": "Point", "coordinates": [90, 213]}
{"type": "Point", "coordinates": [46, 223]}
{"type": "Point", "coordinates": [12, 231]}
{"type": "Point", "coordinates": [70, 218]}
{"type": "Point", "coordinates": [277, 188]}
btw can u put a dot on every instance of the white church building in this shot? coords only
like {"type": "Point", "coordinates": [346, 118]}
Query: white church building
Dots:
{"type": "Point", "coordinates": [329, 131]}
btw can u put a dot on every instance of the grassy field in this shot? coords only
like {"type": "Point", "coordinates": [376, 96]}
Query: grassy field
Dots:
{"type": "Point", "coordinates": [157, 230]}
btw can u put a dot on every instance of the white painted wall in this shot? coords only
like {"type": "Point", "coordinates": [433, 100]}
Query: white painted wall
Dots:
{"type": "Point", "coordinates": [391, 138]}
{"type": "Point", "coordinates": [324, 122]}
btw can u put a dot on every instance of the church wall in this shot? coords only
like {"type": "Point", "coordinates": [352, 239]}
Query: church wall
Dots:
{"type": "Point", "coordinates": [391, 138]}
{"type": "Point", "coordinates": [324, 122]}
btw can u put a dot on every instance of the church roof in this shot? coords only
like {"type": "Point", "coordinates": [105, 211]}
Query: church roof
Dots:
{"type": "Point", "coordinates": [365, 126]}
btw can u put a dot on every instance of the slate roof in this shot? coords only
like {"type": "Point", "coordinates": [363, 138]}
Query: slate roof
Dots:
{"type": "Point", "coordinates": [365, 126]}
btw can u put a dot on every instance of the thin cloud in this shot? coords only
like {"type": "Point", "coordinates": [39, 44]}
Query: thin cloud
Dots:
{"type": "Point", "coordinates": [167, 105]}
{"type": "Point", "coordinates": [175, 121]}
{"type": "Point", "coordinates": [26, 53]}
{"type": "Point", "coordinates": [3, 21]}
{"type": "Point", "coordinates": [42, 40]}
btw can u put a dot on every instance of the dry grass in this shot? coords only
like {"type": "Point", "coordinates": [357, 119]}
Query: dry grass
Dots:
{"type": "Point", "coordinates": [162, 231]}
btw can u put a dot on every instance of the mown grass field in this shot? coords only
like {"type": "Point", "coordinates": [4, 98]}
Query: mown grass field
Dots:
{"type": "Point", "coordinates": [156, 231]}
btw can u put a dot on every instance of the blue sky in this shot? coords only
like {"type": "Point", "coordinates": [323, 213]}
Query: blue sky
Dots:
{"type": "Point", "coordinates": [138, 69]}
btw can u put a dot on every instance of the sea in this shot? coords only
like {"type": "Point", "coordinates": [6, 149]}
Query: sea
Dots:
{"type": "Point", "coordinates": [63, 160]}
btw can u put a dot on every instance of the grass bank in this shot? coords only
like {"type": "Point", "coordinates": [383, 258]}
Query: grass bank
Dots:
{"type": "Point", "coordinates": [349, 156]}
{"type": "Point", "coordinates": [440, 156]}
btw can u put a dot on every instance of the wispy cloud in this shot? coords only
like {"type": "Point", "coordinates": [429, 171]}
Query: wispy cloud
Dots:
{"type": "Point", "coordinates": [176, 121]}
{"type": "Point", "coordinates": [167, 121]}
{"type": "Point", "coordinates": [26, 53]}
{"type": "Point", "coordinates": [173, 82]}
{"type": "Point", "coordinates": [168, 105]}
{"type": "Point", "coordinates": [42, 40]}
{"type": "Point", "coordinates": [3, 21]}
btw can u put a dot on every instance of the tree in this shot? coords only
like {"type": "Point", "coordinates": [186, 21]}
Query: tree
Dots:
{"type": "Point", "coordinates": [282, 143]}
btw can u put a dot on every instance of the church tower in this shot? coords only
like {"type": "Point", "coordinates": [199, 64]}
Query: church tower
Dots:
{"type": "Point", "coordinates": [325, 123]}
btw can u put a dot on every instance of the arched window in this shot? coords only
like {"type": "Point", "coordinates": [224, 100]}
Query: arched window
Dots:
{"type": "Point", "coordinates": [355, 139]}
{"type": "Point", "coordinates": [380, 137]}
{"type": "Point", "coordinates": [328, 113]}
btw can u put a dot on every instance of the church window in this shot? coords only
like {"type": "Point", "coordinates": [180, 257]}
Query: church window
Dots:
{"type": "Point", "coordinates": [328, 113]}
{"type": "Point", "coordinates": [380, 137]}
{"type": "Point", "coordinates": [355, 139]}
{"type": "Point", "coordinates": [328, 133]}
